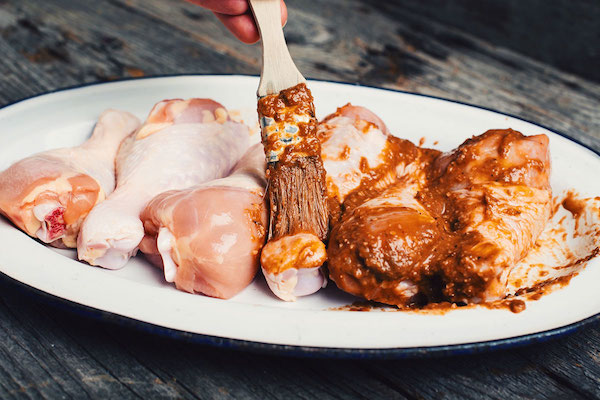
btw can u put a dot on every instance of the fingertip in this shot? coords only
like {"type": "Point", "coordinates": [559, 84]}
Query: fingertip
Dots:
{"type": "Point", "coordinates": [230, 7]}
{"type": "Point", "coordinates": [242, 27]}
{"type": "Point", "coordinates": [284, 13]}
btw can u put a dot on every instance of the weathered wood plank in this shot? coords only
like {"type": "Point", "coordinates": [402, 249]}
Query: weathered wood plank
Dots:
{"type": "Point", "coordinates": [579, 366]}
{"type": "Point", "coordinates": [561, 33]}
{"type": "Point", "coordinates": [98, 41]}
{"type": "Point", "coordinates": [45, 363]}
{"type": "Point", "coordinates": [502, 375]}
{"type": "Point", "coordinates": [100, 357]}
{"type": "Point", "coordinates": [78, 356]}
{"type": "Point", "coordinates": [411, 53]}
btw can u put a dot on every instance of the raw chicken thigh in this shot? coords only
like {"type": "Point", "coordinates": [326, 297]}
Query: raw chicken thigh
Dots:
{"type": "Point", "coordinates": [49, 194]}
{"type": "Point", "coordinates": [209, 237]}
{"type": "Point", "coordinates": [451, 232]}
{"type": "Point", "coordinates": [182, 143]}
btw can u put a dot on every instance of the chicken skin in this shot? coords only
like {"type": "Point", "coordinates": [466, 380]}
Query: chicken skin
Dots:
{"type": "Point", "coordinates": [350, 138]}
{"type": "Point", "coordinates": [209, 236]}
{"type": "Point", "coordinates": [49, 194]}
{"type": "Point", "coordinates": [182, 143]}
{"type": "Point", "coordinates": [361, 158]}
{"type": "Point", "coordinates": [453, 230]}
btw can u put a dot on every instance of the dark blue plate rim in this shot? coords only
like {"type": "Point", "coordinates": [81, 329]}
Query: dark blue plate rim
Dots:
{"type": "Point", "coordinates": [306, 351]}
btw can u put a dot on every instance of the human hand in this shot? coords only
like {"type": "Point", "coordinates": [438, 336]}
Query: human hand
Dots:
{"type": "Point", "coordinates": [237, 17]}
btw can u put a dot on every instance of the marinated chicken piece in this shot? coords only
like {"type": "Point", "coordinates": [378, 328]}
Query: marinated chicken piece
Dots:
{"type": "Point", "coordinates": [209, 237]}
{"type": "Point", "coordinates": [49, 194]}
{"type": "Point", "coordinates": [182, 143]}
{"type": "Point", "coordinates": [570, 239]}
{"type": "Point", "coordinates": [350, 138]}
{"type": "Point", "coordinates": [453, 231]}
{"type": "Point", "coordinates": [361, 158]}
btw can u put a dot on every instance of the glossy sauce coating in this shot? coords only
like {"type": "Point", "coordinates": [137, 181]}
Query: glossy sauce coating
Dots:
{"type": "Point", "coordinates": [289, 124]}
{"type": "Point", "coordinates": [451, 232]}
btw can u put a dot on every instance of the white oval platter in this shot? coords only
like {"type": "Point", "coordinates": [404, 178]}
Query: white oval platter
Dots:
{"type": "Point", "coordinates": [138, 291]}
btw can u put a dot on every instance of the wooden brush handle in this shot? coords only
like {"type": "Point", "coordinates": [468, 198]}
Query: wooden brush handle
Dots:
{"type": "Point", "coordinates": [278, 69]}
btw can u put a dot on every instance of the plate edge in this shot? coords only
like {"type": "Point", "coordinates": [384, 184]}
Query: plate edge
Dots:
{"type": "Point", "coordinates": [300, 351]}
{"type": "Point", "coordinates": [306, 351]}
{"type": "Point", "coordinates": [358, 84]}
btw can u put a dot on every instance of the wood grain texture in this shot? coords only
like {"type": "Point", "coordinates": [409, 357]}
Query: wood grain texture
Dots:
{"type": "Point", "coordinates": [48, 352]}
{"type": "Point", "coordinates": [562, 33]}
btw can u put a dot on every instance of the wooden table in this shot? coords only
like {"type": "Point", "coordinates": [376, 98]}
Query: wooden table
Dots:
{"type": "Point", "coordinates": [45, 45]}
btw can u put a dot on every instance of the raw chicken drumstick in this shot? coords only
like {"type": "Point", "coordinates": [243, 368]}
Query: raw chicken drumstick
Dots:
{"type": "Point", "coordinates": [182, 143]}
{"type": "Point", "coordinates": [49, 194]}
{"type": "Point", "coordinates": [209, 236]}
{"type": "Point", "coordinates": [451, 233]}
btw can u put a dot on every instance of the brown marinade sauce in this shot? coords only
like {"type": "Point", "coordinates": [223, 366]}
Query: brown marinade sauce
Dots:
{"type": "Point", "coordinates": [514, 305]}
{"type": "Point", "coordinates": [283, 107]}
{"type": "Point", "coordinates": [574, 205]}
{"type": "Point", "coordinates": [373, 249]}
{"type": "Point", "coordinates": [255, 219]}
{"type": "Point", "coordinates": [397, 152]}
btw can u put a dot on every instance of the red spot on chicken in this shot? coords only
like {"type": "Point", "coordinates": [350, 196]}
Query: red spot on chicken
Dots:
{"type": "Point", "coordinates": [75, 178]}
{"type": "Point", "coordinates": [55, 223]}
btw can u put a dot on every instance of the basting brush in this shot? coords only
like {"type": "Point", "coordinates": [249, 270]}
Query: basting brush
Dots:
{"type": "Point", "coordinates": [296, 177]}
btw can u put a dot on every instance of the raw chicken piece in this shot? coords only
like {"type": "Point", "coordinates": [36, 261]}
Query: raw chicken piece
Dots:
{"type": "Point", "coordinates": [182, 143]}
{"type": "Point", "coordinates": [49, 194]}
{"type": "Point", "coordinates": [209, 237]}
{"type": "Point", "coordinates": [292, 265]}
{"type": "Point", "coordinates": [453, 234]}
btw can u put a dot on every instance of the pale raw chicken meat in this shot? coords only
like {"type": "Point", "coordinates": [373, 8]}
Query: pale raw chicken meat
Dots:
{"type": "Point", "coordinates": [182, 143]}
{"type": "Point", "coordinates": [209, 236]}
{"type": "Point", "coordinates": [49, 194]}
{"type": "Point", "coordinates": [360, 158]}
{"type": "Point", "coordinates": [452, 232]}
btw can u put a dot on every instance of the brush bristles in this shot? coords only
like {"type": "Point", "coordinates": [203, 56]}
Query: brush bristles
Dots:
{"type": "Point", "coordinates": [297, 196]}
